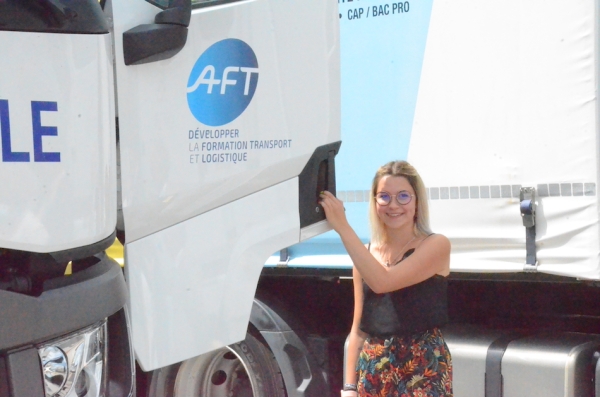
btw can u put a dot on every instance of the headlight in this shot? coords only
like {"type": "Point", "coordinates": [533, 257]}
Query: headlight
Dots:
{"type": "Point", "coordinates": [74, 366]}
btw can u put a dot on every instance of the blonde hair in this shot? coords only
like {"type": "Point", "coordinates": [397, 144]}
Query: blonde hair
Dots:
{"type": "Point", "coordinates": [402, 169]}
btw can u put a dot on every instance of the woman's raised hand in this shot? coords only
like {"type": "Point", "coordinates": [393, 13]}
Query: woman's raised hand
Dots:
{"type": "Point", "coordinates": [334, 211]}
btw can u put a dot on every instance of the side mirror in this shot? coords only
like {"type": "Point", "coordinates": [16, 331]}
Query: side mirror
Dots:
{"type": "Point", "coordinates": [160, 40]}
{"type": "Point", "coordinates": [179, 13]}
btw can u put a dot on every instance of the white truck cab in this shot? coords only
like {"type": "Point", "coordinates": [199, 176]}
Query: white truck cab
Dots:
{"type": "Point", "coordinates": [221, 119]}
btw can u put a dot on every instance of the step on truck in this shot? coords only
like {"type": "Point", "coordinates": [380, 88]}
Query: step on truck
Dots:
{"type": "Point", "coordinates": [198, 132]}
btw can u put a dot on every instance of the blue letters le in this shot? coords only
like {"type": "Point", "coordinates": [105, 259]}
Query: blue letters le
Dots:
{"type": "Point", "coordinates": [39, 131]}
{"type": "Point", "coordinates": [7, 154]}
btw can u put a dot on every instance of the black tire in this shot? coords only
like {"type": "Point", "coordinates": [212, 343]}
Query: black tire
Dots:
{"type": "Point", "coordinates": [262, 366]}
{"type": "Point", "coordinates": [244, 369]}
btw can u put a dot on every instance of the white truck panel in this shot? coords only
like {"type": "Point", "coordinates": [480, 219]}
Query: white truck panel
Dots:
{"type": "Point", "coordinates": [195, 289]}
{"type": "Point", "coordinates": [65, 195]}
{"type": "Point", "coordinates": [199, 223]}
{"type": "Point", "coordinates": [508, 95]}
{"type": "Point", "coordinates": [182, 180]}
{"type": "Point", "coordinates": [483, 99]}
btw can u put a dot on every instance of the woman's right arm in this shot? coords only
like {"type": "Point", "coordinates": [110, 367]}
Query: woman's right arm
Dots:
{"type": "Point", "coordinates": [356, 338]}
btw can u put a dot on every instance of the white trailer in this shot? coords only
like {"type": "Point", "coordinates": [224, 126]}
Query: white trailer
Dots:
{"type": "Point", "coordinates": [496, 104]}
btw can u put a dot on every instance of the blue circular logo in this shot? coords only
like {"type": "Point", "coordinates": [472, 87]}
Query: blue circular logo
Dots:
{"type": "Point", "coordinates": [222, 82]}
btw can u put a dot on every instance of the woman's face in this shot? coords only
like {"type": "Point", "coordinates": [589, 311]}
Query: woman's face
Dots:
{"type": "Point", "coordinates": [395, 215]}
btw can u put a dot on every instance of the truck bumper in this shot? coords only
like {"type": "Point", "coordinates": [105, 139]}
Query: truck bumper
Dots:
{"type": "Point", "coordinates": [67, 304]}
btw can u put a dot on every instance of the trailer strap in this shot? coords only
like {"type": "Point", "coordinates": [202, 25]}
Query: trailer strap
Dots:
{"type": "Point", "coordinates": [527, 207]}
{"type": "Point", "coordinates": [597, 375]}
{"type": "Point", "coordinates": [493, 364]}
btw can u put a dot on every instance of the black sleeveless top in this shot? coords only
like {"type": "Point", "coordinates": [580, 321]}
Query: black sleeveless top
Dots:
{"type": "Point", "coordinates": [420, 307]}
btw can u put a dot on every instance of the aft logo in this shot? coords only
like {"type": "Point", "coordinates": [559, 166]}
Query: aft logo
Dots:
{"type": "Point", "coordinates": [222, 82]}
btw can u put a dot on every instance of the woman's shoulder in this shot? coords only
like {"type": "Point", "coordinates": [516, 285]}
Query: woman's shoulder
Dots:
{"type": "Point", "coordinates": [436, 248]}
{"type": "Point", "coordinates": [436, 240]}
{"type": "Point", "coordinates": [435, 237]}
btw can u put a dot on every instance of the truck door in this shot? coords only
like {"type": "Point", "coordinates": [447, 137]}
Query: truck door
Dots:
{"type": "Point", "coordinates": [220, 108]}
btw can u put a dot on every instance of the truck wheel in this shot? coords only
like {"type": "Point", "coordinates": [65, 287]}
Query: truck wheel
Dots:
{"type": "Point", "coordinates": [244, 369]}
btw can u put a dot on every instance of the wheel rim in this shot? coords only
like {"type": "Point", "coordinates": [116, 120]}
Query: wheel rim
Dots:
{"type": "Point", "coordinates": [221, 373]}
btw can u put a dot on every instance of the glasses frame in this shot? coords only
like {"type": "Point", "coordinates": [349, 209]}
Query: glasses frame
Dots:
{"type": "Point", "coordinates": [395, 196]}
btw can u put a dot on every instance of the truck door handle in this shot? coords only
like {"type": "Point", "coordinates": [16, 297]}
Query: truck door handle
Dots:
{"type": "Point", "coordinates": [318, 175]}
{"type": "Point", "coordinates": [159, 40]}
{"type": "Point", "coordinates": [331, 171]}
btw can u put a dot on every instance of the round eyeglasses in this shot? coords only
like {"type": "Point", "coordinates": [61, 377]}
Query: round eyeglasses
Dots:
{"type": "Point", "coordinates": [403, 198]}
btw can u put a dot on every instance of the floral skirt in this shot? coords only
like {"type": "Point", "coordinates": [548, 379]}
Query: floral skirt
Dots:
{"type": "Point", "coordinates": [418, 365]}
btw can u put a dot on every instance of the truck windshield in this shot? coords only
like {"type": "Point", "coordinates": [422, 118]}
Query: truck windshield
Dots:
{"type": "Point", "coordinates": [53, 16]}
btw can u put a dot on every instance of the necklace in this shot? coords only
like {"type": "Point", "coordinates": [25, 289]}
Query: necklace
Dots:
{"type": "Point", "coordinates": [387, 264]}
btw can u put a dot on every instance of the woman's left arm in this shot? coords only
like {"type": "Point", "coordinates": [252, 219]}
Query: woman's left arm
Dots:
{"type": "Point", "coordinates": [432, 257]}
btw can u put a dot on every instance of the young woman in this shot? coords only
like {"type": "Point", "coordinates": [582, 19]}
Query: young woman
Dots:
{"type": "Point", "coordinates": [395, 346]}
